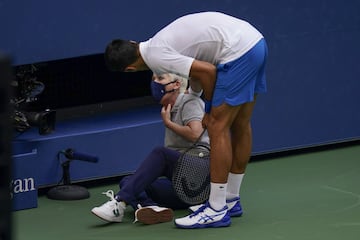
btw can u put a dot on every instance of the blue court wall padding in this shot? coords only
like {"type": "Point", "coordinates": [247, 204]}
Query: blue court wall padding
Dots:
{"type": "Point", "coordinates": [120, 141]}
{"type": "Point", "coordinates": [38, 31]}
{"type": "Point", "coordinates": [313, 99]}
{"type": "Point", "coordinates": [23, 181]}
{"type": "Point", "coordinates": [313, 77]}
{"type": "Point", "coordinates": [313, 67]}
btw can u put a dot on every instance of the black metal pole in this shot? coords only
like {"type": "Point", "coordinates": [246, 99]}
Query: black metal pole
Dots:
{"type": "Point", "coordinates": [66, 172]}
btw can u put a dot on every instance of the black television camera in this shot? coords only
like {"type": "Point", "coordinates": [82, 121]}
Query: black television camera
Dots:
{"type": "Point", "coordinates": [26, 88]}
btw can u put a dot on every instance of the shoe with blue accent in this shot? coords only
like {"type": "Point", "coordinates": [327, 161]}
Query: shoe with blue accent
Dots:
{"type": "Point", "coordinates": [205, 217]}
{"type": "Point", "coordinates": [234, 207]}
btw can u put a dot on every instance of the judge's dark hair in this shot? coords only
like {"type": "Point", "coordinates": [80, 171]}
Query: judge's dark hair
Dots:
{"type": "Point", "coordinates": [119, 54]}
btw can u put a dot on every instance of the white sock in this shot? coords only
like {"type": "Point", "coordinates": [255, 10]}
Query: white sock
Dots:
{"type": "Point", "coordinates": [217, 197]}
{"type": "Point", "coordinates": [234, 184]}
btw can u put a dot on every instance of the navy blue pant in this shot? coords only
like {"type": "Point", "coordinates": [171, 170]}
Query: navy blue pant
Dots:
{"type": "Point", "coordinates": [151, 183]}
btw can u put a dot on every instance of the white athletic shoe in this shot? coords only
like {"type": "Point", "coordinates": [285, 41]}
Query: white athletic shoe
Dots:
{"type": "Point", "coordinates": [205, 217]}
{"type": "Point", "coordinates": [153, 214]}
{"type": "Point", "coordinates": [111, 211]}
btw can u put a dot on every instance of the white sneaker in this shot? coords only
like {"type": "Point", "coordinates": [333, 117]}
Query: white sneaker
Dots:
{"type": "Point", "coordinates": [111, 211]}
{"type": "Point", "coordinates": [153, 214]}
{"type": "Point", "coordinates": [205, 217]}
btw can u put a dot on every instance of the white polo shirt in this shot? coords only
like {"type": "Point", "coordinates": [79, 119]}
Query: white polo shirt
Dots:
{"type": "Point", "coordinates": [208, 36]}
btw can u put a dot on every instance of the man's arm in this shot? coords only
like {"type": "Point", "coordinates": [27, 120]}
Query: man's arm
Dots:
{"type": "Point", "coordinates": [203, 74]}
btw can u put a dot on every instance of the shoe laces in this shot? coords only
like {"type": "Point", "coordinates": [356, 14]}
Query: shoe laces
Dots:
{"type": "Point", "coordinates": [112, 203]}
{"type": "Point", "coordinates": [201, 212]}
{"type": "Point", "coordinates": [200, 209]}
{"type": "Point", "coordinates": [110, 194]}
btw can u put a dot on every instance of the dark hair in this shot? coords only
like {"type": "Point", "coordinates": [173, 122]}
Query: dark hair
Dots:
{"type": "Point", "coordinates": [120, 53]}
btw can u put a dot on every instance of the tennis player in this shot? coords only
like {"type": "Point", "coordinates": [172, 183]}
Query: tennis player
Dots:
{"type": "Point", "coordinates": [153, 197]}
{"type": "Point", "coordinates": [225, 56]}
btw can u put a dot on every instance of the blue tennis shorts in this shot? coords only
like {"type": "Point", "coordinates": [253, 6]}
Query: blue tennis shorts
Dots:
{"type": "Point", "coordinates": [239, 80]}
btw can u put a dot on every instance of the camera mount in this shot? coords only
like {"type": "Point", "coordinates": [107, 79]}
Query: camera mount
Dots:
{"type": "Point", "coordinates": [26, 89]}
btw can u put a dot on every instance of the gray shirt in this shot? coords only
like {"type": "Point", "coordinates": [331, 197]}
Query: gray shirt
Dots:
{"type": "Point", "coordinates": [187, 108]}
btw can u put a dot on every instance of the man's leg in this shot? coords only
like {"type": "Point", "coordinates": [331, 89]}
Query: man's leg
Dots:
{"type": "Point", "coordinates": [218, 126]}
{"type": "Point", "coordinates": [223, 123]}
{"type": "Point", "coordinates": [215, 213]}
{"type": "Point", "coordinates": [241, 138]}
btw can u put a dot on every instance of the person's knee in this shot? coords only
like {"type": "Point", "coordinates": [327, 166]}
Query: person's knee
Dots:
{"type": "Point", "coordinates": [159, 155]}
{"type": "Point", "coordinates": [217, 125]}
{"type": "Point", "coordinates": [212, 126]}
{"type": "Point", "coordinates": [158, 150]}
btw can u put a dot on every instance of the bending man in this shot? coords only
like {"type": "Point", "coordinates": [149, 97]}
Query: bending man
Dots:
{"type": "Point", "coordinates": [225, 56]}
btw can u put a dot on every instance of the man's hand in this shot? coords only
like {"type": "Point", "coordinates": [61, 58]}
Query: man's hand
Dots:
{"type": "Point", "coordinates": [205, 120]}
{"type": "Point", "coordinates": [195, 85]}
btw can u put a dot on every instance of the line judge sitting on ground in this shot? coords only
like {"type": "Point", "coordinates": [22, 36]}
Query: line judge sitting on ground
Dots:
{"type": "Point", "coordinates": [154, 198]}
{"type": "Point", "coordinates": [225, 56]}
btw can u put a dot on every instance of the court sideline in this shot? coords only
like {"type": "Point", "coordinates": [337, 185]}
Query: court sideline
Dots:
{"type": "Point", "coordinates": [314, 195]}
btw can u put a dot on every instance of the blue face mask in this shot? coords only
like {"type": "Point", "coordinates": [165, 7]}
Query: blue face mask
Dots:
{"type": "Point", "coordinates": [158, 90]}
